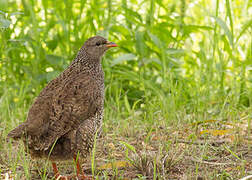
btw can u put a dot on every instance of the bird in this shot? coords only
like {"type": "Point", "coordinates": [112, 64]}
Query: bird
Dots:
{"type": "Point", "coordinates": [66, 116]}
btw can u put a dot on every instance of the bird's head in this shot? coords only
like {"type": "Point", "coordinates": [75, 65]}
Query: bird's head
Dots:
{"type": "Point", "coordinates": [96, 46]}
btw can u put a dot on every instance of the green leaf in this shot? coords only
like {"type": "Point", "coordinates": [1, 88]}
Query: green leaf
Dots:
{"type": "Point", "coordinates": [126, 102]}
{"type": "Point", "coordinates": [140, 44]}
{"type": "Point", "coordinates": [128, 146]}
{"type": "Point", "coordinates": [229, 14]}
{"type": "Point", "coordinates": [227, 45]}
{"type": "Point", "coordinates": [16, 13]}
{"type": "Point", "coordinates": [52, 44]}
{"type": "Point", "coordinates": [244, 29]}
{"type": "Point", "coordinates": [171, 51]}
{"type": "Point", "coordinates": [195, 28]}
{"type": "Point", "coordinates": [132, 13]}
{"type": "Point", "coordinates": [120, 29]}
{"type": "Point", "coordinates": [224, 26]}
{"type": "Point", "coordinates": [124, 57]}
{"type": "Point", "coordinates": [4, 23]}
{"type": "Point", "coordinates": [55, 60]}
{"type": "Point", "coordinates": [156, 40]}
{"type": "Point", "coordinates": [51, 75]}
{"type": "Point", "coordinates": [1, 12]}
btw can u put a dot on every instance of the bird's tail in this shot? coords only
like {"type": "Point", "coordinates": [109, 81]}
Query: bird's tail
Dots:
{"type": "Point", "coordinates": [18, 132]}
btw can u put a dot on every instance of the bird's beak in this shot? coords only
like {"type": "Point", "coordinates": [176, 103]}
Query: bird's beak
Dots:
{"type": "Point", "coordinates": [111, 44]}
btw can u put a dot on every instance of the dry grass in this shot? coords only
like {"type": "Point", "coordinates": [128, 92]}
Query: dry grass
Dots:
{"type": "Point", "coordinates": [162, 153]}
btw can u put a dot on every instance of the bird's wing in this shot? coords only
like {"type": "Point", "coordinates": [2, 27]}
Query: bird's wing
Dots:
{"type": "Point", "coordinates": [39, 113]}
{"type": "Point", "coordinates": [72, 103]}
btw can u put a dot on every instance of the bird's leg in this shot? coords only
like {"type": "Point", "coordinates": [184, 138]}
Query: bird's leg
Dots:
{"type": "Point", "coordinates": [55, 170]}
{"type": "Point", "coordinates": [80, 173]}
{"type": "Point", "coordinates": [57, 175]}
{"type": "Point", "coordinates": [79, 170]}
{"type": "Point", "coordinates": [78, 167]}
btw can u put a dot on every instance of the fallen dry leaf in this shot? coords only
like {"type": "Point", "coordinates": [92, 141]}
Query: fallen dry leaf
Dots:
{"type": "Point", "coordinates": [115, 165]}
{"type": "Point", "coordinates": [216, 132]}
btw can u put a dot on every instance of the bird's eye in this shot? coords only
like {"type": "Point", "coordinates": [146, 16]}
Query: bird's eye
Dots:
{"type": "Point", "coordinates": [98, 44]}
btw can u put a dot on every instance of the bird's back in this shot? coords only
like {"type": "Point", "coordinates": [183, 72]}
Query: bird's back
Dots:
{"type": "Point", "coordinates": [62, 106]}
{"type": "Point", "coordinates": [69, 110]}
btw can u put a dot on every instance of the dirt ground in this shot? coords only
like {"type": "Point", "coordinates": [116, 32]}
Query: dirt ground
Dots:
{"type": "Point", "coordinates": [188, 152]}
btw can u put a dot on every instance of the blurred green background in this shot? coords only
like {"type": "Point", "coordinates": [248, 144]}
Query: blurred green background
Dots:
{"type": "Point", "coordinates": [180, 64]}
{"type": "Point", "coordinates": [174, 57]}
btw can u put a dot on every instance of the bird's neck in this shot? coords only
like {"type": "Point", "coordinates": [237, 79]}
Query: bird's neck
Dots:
{"type": "Point", "coordinates": [84, 61]}
{"type": "Point", "coordinates": [84, 64]}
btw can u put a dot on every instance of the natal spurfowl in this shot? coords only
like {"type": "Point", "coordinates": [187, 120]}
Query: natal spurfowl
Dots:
{"type": "Point", "coordinates": [64, 118]}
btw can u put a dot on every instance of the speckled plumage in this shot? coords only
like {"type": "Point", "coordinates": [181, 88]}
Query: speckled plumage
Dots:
{"type": "Point", "coordinates": [69, 110]}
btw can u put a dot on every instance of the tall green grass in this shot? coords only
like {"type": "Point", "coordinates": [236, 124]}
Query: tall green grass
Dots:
{"type": "Point", "coordinates": [177, 61]}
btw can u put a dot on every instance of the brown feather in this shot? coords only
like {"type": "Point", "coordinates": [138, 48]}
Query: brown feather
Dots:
{"type": "Point", "coordinates": [69, 110]}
